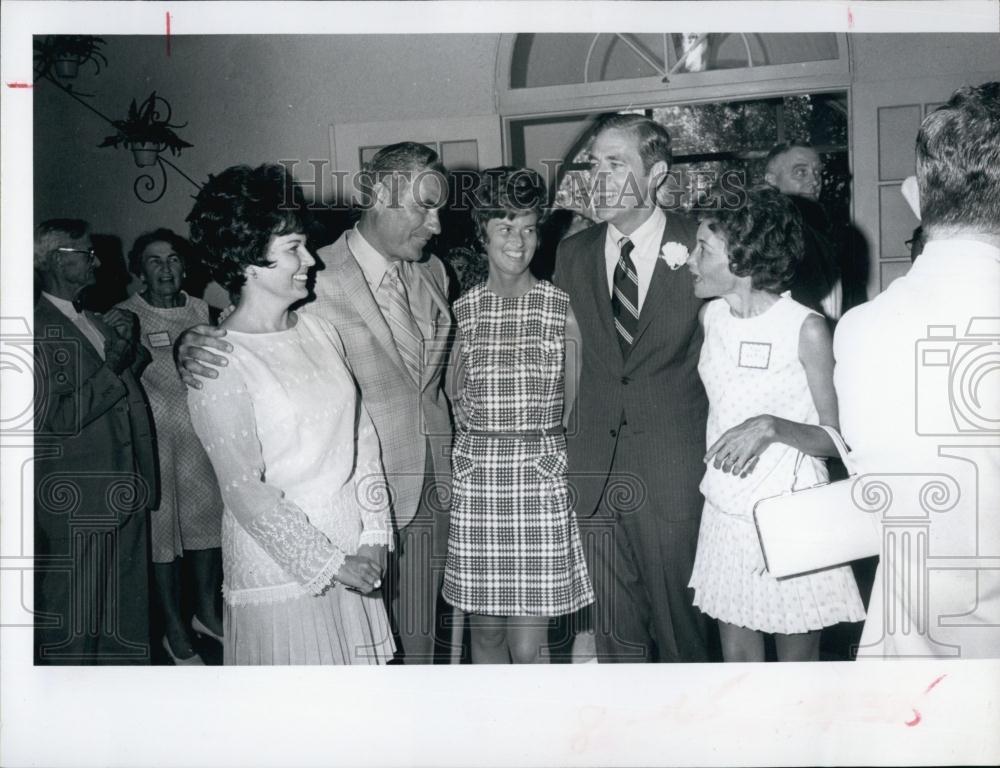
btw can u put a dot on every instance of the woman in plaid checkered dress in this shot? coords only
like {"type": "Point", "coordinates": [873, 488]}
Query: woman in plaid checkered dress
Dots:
{"type": "Point", "coordinates": [514, 552]}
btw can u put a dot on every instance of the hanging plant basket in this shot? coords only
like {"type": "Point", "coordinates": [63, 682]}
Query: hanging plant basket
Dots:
{"type": "Point", "coordinates": [65, 54]}
{"type": "Point", "coordinates": [145, 153]}
{"type": "Point", "coordinates": [146, 131]}
{"type": "Point", "coordinates": [67, 68]}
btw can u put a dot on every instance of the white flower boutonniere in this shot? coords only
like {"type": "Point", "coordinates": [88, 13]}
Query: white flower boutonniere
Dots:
{"type": "Point", "coordinates": [675, 254]}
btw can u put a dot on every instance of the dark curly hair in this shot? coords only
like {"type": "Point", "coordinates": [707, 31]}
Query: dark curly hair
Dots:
{"type": "Point", "coordinates": [764, 236]}
{"type": "Point", "coordinates": [162, 235]}
{"type": "Point", "coordinates": [506, 191]}
{"type": "Point", "coordinates": [235, 215]}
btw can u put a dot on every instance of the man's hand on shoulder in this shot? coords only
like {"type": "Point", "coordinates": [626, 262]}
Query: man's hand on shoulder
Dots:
{"type": "Point", "coordinates": [193, 356]}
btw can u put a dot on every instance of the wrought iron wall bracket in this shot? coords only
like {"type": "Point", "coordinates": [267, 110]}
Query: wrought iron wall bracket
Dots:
{"type": "Point", "coordinates": [148, 188]}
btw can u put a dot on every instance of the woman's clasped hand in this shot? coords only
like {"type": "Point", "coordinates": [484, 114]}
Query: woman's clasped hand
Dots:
{"type": "Point", "coordinates": [360, 573]}
{"type": "Point", "coordinates": [739, 448]}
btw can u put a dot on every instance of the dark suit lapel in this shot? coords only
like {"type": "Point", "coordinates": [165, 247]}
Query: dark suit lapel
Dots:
{"type": "Point", "coordinates": [665, 286]}
{"type": "Point", "coordinates": [653, 306]}
{"type": "Point", "coordinates": [600, 295]}
{"type": "Point", "coordinates": [347, 271]}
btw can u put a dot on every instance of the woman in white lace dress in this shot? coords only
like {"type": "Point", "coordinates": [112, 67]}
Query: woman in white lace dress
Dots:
{"type": "Point", "coordinates": [305, 525]}
{"type": "Point", "coordinates": [767, 366]}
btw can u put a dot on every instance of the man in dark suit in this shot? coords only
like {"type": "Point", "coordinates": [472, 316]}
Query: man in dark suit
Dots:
{"type": "Point", "coordinates": [397, 346]}
{"type": "Point", "coordinates": [638, 437]}
{"type": "Point", "coordinates": [95, 465]}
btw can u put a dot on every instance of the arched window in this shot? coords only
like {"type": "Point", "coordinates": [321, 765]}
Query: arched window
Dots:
{"type": "Point", "coordinates": [546, 60]}
{"type": "Point", "coordinates": [726, 99]}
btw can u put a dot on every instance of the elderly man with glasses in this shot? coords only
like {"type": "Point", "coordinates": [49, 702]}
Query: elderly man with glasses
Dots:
{"type": "Point", "coordinates": [95, 465]}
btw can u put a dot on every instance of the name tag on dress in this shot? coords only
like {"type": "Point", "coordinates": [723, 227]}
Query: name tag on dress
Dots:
{"type": "Point", "coordinates": [159, 339]}
{"type": "Point", "coordinates": [754, 354]}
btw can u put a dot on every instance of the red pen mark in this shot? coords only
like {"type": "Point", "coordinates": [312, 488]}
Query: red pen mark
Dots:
{"type": "Point", "coordinates": [938, 680]}
{"type": "Point", "coordinates": [850, 18]}
{"type": "Point", "coordinates": [20, 85]}
{"type": "Point", "coordinates": [917, 717]}
{"type": "Point", "coordinates": [168, 33]}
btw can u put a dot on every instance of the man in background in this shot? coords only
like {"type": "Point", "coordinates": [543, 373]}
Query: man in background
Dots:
{"type": "Point", "coordinates": [95, 465]}
{"type": "Point", "coordinates": [796, 170]}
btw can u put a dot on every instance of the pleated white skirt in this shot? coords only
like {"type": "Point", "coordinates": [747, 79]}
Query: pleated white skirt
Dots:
{"type": "Point", "coordinates": [337, 627]}
{"type": "Point", "coordinates": [727, 588]}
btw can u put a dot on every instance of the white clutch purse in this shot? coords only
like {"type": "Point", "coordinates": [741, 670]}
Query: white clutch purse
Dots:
{"type": "Point", "coordinates": [818, 527]}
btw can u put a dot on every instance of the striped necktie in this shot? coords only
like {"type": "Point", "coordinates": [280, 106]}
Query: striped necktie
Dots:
{"type": "Point", "coordinates": [625, 296]}
{"type": "Point", "coordinates": [404, 328]}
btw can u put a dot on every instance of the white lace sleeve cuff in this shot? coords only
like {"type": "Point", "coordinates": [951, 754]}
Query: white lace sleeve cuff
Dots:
{"type": "Point", "coordinates": [304, 552]}
{"type": "Point", "coordinates": [324, 578]}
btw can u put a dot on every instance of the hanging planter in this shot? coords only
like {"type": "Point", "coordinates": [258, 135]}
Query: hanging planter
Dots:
{"type": "Point", "coordinates": [64, 54]}
{"type": "Point", "coordinates": [145, 153]}
{"type": "Point", "coordinates": [67, 68]}
{"type": "Point", "coordinates": [147, 131]}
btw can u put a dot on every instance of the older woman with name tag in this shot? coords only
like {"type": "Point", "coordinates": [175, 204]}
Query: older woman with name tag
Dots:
{"type": "Point", "coordinates": [767, 366]}
{"type": "Point", "coordinates": [186, 528]}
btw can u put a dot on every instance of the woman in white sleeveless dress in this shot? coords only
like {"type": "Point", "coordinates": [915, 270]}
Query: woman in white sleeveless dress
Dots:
{"type": "Point", "coordinates": [767, 366]}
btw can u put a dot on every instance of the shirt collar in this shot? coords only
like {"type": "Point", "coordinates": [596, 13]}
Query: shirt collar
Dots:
{"type": "Point", "coordinates": [647, 237]}
{"type": "Point", "coordinates": [373, 264]}
{"type": "Point", "coordinates": [947, 257]}
{"type": "Point", "coordinates": [947, 248]}
{"type": "Point", "coordinates": [63, 305]}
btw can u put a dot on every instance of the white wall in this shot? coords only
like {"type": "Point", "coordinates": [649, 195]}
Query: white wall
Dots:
{"type": "Point", "coordinates": [246, 99]}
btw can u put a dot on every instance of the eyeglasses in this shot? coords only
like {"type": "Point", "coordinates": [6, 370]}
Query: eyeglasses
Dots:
{"type": "Point", "coordinates": [88, 252]}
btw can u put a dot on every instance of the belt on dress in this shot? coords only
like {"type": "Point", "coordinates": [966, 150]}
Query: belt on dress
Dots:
{"type": "Point", "coordinates": [521, 434]}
